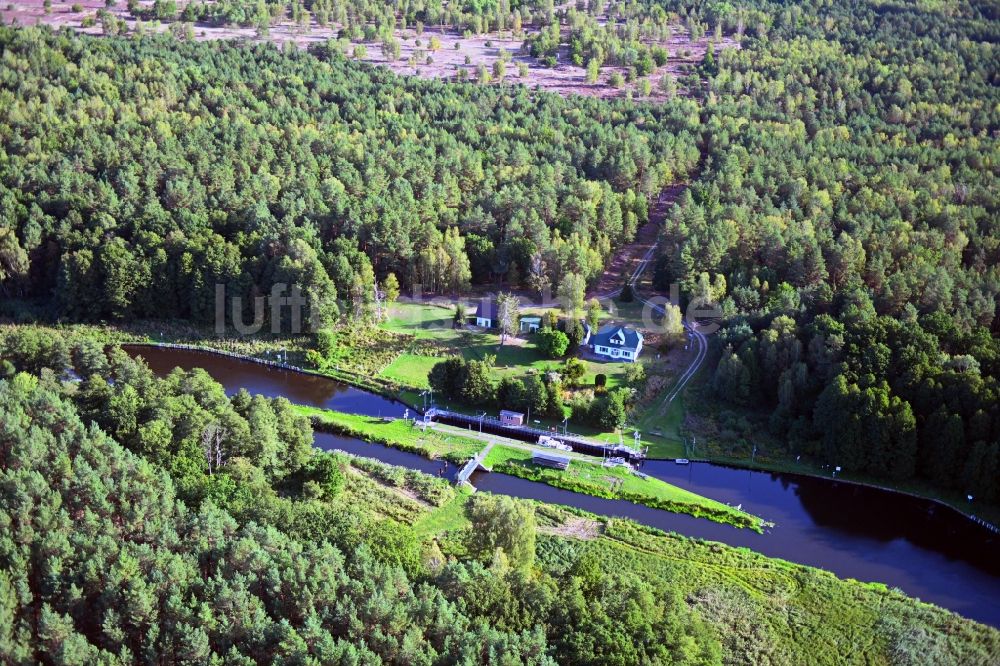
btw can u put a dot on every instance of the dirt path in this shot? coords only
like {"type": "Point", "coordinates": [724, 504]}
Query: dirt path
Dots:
{"type": "Point", "coordinates": [631, 258]}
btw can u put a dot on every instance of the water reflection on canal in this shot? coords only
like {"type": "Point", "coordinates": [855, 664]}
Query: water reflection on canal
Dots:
{"type": "Point", "coordinates": [927, 550]}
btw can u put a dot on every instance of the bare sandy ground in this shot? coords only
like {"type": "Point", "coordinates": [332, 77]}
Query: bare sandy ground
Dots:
{"type": "Point", "coordinates": [455, 53]}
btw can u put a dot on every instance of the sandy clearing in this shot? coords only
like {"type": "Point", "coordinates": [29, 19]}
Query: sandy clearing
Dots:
{"type": "Point", "coordinates": [455, 54]}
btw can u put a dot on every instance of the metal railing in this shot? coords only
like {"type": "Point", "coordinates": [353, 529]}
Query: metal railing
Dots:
{"type": "Point", "coordinates": [575, 441]}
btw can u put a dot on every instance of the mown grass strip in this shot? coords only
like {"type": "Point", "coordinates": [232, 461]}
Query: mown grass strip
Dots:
{"type": "Point", "coordinates": [592, 478]}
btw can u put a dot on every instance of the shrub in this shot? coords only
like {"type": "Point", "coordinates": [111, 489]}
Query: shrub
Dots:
{"type": "Point", "coordinates": [574, 371]}
{"type": "Point", "coordinates": [635, 373]}
{"type": "Point", "coordinates": [579, 403]}
{"type": "Point", "coordinates": [503, 523]}
{"type": "Point", "coordinates": [552, 343]}
{"type": "Point", "coordinates": [466, 381]}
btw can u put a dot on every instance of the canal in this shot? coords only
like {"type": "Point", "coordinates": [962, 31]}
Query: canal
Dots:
{"type": "Point", "coordinates": [927, 550]}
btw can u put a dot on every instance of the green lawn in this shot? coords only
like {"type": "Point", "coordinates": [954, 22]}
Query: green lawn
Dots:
{"type": "Point", "coordinates": [629, 313]}
{"type": "Point", "coordinates": [411, 369]}
{"type": "Point", "coordinates": [398, 433]}
{"type": "Point", "coordinates": [421, 321]}
{"type": "Point", "coordinates": [517, 359]}
{"type": "Point", "coordinates": [661, 430]}
{"type": "Point", "coordinates": [431, 324]}
{"type": "Point", "coordinates": [445, 518]}
{"type": "Point", "coordinates": [592, 478]}
{"type": "Point", "coordinates": [514, 355]}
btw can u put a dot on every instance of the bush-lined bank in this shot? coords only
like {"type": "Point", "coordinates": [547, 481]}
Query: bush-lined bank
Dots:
{"type": "Point", "coordinates": [376, 385]}
{"type": "Point", "coordinates": [599, 481]}
{"type": "Point", "coordinates": [61, 342]}
{"type": "Point", "coordinates": [255, 349]}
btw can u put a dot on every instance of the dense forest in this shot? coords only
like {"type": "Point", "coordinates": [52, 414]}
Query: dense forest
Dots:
{"type": "Point", "coordinates": [842, 209]}
{"type": "Point", "coordinates": [139, 173]}
{"type": "Point", "coordinates": [149, 520]}
{"type": "Point", "coordinates": [848, 217]}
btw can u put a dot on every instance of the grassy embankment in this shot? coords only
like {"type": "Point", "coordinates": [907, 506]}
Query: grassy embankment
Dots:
{"type": "Point", "coordinates": [670, 444]}
{"type": "Point", "coordinates": [591, 478]}
{"type": "Point", "coordinates": [765, 610]}
{"type": "Point", "coordinates": [583, 475]}
{"type": "Point", "coordinates": [447, 518]}
{"type": "Point", "coordinates": [398, 433]}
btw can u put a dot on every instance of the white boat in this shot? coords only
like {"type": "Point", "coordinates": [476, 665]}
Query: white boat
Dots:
{"type": "Point", "coordinates": [682, 461]}
{"type": "Point", "coordinates": [553, 443]}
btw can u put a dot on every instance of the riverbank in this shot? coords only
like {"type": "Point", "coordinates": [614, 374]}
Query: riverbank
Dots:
{"type": "Point", "coordinates": [396, 433]}
{"type": "Point", "coordinates": [619, 483]}
{"type": "Point", "coordinates": [986, 516]}
{"type": "Point", "coordinates": [284, 352]}
{"type": "Point", "coordinates": [584, 475]}
{"type": "Point", "coordinates": [747, 594]}
{"type": "Point", "coordinates": [160, 334]}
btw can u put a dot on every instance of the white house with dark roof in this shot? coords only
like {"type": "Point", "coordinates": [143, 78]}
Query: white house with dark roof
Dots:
{"type": "Point", "coordinates": [617, 343]}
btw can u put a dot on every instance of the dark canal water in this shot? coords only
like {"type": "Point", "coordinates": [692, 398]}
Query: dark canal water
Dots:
{"type": "Point", "coordinates": [927, 550]}
{"type": "Point", "coordinates": [298, 387]}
